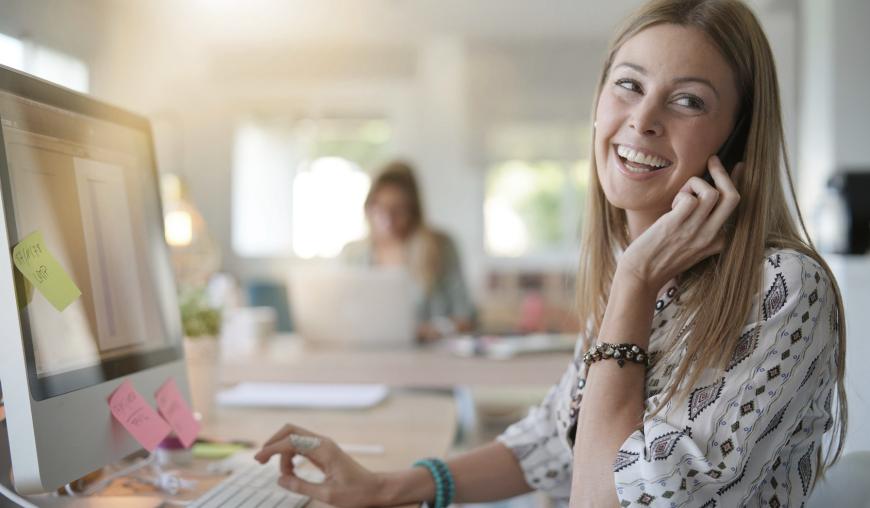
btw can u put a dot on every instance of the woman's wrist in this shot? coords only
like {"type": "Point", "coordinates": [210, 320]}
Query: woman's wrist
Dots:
{"type": "Point", "coordinates": [412, 485]}
{"type": "Point", "coordinates": [634, 284]}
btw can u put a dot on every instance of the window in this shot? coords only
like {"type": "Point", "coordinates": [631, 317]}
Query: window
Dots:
{"type": "Point", "coordinates": [534, 207]}
{"type": "Point", "coordinates": [44, 62]}
{"type": "Point", "coordinates": [534, 204]}
{"type": "Point", "coordinates": [299, 187]}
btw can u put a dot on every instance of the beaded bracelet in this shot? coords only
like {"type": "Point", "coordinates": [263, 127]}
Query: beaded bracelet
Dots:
{"type": "Point", "coordinates": [445, 488]}
{"type": "Point", "coordinates": [619, 352]}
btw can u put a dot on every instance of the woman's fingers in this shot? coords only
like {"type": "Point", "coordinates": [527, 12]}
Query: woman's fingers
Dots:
{"type": "Point", "coordinates": [287, 465]}
{"type": "Point", "coordinates": [285, 431]}
{"type": "Point", "coordinates": [707, 197]}
{"type": "Point", "coordinates": [729, 197]}
{"type": "Point", "coordinates": [682, 207]}
{"type": "Point", "coordinates": [322, 455]}
{"type": "Point", "coordinates": [295, 484]}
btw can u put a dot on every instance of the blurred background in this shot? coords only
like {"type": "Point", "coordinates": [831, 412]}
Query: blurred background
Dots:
{"type": "Point", "coordinates": [271, 118]}
{"type": "Point", "coordinates": [260, 107]}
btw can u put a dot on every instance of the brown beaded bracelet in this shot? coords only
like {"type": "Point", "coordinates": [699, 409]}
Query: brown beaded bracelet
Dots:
{"type": "Point", "coordinates": [619, 352]}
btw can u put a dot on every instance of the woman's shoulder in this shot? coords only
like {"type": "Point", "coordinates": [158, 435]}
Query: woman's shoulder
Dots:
{"type": "Point", "coordinates": [792, 278]}
{"type": "Point", "coordinates": [790, 265]}
{"type": "Point", "coordinates": [357, 251]}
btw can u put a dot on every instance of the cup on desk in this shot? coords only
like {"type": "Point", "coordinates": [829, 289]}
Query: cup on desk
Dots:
{"type": "Point", "coordinates": [248, 329]}
{"type": "Point", "coordinates": [202, 356]}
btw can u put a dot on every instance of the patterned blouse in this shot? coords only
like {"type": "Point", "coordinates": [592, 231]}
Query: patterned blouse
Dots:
{"type": "Point", "coordinates": [747, 436]}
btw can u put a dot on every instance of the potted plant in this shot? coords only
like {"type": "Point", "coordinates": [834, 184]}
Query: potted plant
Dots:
{"type": "Point", "coordinates": [201, 324]}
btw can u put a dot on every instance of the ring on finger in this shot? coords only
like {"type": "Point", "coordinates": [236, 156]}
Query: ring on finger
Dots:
{"type": "Point", "coordinates": [304, 443]}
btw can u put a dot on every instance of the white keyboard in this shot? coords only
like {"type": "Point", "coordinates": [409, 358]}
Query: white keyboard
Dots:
{"type": "Point", "coordinates": [251, 485]}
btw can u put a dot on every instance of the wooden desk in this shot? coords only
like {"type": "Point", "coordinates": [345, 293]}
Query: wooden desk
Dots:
{"type": "Point", "coordinates": [408, 424]}
{"type": "Point", "coordinates": [291, 360]}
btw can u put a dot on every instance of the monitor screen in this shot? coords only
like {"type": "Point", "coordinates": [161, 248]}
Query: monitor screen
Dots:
{"type": "Point", "coordinates": [86, 180]}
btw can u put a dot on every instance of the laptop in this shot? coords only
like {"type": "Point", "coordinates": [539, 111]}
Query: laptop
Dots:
{"type": "Point", "coordinates": [364, 307]}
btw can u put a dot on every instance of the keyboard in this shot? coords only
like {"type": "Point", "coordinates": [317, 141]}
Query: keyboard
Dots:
{"type": "Point", "coordinates": [251, 485]}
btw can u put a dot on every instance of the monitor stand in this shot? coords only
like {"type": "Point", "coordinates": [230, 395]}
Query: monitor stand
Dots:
{"type": "Point", "coordinates": [53, 501]}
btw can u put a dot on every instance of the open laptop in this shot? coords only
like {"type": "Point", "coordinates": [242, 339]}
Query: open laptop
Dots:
{"type": "Point", "coordinates": [354, 306]}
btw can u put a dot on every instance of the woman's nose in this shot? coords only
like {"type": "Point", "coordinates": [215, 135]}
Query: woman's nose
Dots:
{"type": "Point", "coordinates": [645, 118]}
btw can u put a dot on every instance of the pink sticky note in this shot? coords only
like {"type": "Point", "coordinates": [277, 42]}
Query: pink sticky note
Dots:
{"type": "Point", "coordinates": [174, 408]}
{"type": "Point", "coordinates": [140, 419]}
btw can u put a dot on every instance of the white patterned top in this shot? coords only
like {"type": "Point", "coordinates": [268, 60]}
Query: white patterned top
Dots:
{"type": "Point", "coordinates": [747, 436]}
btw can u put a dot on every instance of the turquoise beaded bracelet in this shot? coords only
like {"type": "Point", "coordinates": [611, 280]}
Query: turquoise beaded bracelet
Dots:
{"type": "Point", "coordinates": [445, 488]}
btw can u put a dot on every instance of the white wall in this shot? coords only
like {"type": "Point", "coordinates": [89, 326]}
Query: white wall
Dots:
{"type": "Point", "coordinates": [834, 103]}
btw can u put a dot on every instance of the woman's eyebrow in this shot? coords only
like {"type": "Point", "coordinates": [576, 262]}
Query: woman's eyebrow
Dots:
{"type": "Point", "coordinates": [685, 79]}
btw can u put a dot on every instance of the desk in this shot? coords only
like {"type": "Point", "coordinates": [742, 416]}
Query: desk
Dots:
{"type": "Point", "coordinates": [286, 359]}
{"type": "Point", "coordinates": [409, 425]}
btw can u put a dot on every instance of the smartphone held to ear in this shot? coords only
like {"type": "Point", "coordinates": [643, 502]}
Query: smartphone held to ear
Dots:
{"type": "Point", "coordinates": [733, 149]}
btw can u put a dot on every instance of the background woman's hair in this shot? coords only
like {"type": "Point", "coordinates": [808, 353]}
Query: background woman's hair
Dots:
{"type": "Point", "coordinates": [730, 280]}
{"type": "Point", "coordinates": [428, 258]}
{"type": "Point", "coordinates": [400, 175]}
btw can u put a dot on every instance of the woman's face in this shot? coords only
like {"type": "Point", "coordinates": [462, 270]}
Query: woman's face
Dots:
{"type": "Point", "coordinates": [390, 213]}
{"type": "Point", "coordinates": [668, 103]}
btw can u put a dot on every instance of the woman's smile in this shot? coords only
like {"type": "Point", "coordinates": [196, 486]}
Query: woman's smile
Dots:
{"type": "Point", "coordinates": [639, 163]}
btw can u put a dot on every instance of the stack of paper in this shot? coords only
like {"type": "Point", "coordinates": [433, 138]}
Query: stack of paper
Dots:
{"type": "Point", "coordinates": [301, 395]}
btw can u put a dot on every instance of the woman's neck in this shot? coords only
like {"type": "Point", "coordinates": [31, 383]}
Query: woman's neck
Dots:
{"type": "Point", "coordinates": [389, 251]}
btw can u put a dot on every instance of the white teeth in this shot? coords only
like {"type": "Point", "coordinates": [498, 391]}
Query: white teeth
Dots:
{"type": "Point", "coordinates": [633, 155]}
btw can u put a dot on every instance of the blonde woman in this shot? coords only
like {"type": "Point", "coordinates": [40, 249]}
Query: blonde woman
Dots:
{"type": "Point", "coordinates": [711, 373]}
{"type": "Point", "coordinates": [400, 237]}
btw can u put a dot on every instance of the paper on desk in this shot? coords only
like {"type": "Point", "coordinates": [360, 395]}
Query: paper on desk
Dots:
{"type": "Point", "coordinates": [303, 395]}
{"type": "Point", "coordinates": [140, 419]}
{"type": "Point", "coordinates": [177, 413]}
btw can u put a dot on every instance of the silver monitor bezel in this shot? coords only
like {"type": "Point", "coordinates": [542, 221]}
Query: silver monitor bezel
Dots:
{"type": "Point", "coordinates": [60, 432]}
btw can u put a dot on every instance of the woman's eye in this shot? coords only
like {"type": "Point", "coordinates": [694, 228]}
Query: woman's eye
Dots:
{"type": "Point", "coordinates": [690, 101]}
{"type": "Point", "coordinates": [628, 84]}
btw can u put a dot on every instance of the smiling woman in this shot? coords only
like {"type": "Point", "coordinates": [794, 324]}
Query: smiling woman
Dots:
{"type": "Point", "coordinates": [710, 370]}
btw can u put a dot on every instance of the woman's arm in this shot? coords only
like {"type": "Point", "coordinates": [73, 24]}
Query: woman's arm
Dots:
{"type": "Point", "coordinates": [613, 398]}
{"type": "Point", "coordinates": [487, 473]}
{"type": "Point", "coordinates": [490, 472]}
{"type": "Point", "coordinates": [612, 405]}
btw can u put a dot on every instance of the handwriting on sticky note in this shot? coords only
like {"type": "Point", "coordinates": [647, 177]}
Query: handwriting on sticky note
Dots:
{"type": "Point", "coordinates": [175, 410]}
{"type": "Point", "coordinates": [140, 419]}
{"type": "Point", "coordinates": [35, 262]}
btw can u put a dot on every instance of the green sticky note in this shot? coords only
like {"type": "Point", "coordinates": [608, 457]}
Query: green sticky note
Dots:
{"type": "Point", "coordinates": [38, 266]}
{"type": "Point", "coordinates": [215, 451]}
{"type": "Point", "coordinates": [23, 290]}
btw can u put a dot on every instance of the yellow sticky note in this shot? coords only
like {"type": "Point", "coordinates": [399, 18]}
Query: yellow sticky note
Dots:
{"type": "Point", "coordinates": [38, 266]}
{"type": "Point", "coordinates": [23, 290]}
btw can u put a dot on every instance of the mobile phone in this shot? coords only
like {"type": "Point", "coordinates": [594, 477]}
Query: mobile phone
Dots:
{"type": "Point", "coordinates": [734, 148]}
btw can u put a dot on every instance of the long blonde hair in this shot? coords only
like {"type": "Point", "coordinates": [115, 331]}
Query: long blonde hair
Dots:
{"type": "Point", "coordinates": [761, 221]}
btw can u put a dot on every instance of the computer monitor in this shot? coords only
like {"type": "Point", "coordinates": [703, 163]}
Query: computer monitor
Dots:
{"type": "Point", "coordinates": [83, 174]}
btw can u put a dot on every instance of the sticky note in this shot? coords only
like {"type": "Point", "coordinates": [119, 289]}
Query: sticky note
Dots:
{"type": "Point", "coordinates": [214, 451]}
{"type": "Point", "coordinates": [140, 419]}
{"type": "Point", "coordinates": [38, 266]}
{"type": "Point", "coordinates": [174, 409]}
{"type": "Point", "coordinates": [23, 290]}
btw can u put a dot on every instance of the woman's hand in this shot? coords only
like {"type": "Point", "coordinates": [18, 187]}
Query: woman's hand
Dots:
{"type": "Point", "coordinates": [689, 233]}
{"type": "Point", "coordinates": [347, 483]}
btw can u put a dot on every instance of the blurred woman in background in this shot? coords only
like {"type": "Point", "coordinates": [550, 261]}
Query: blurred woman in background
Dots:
{"type": "Point", "coordinates": [399, 236]}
